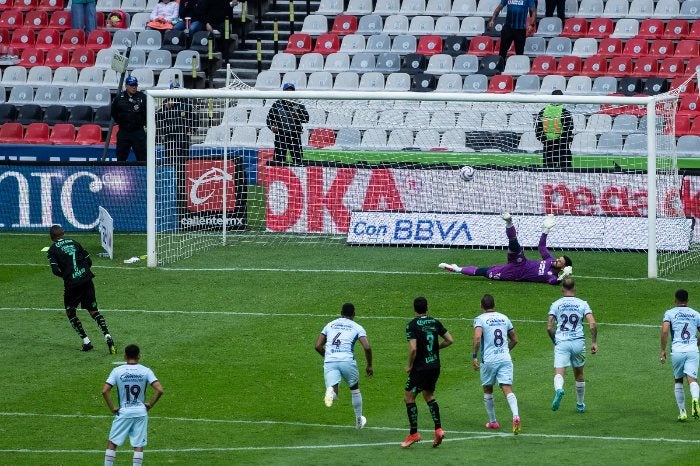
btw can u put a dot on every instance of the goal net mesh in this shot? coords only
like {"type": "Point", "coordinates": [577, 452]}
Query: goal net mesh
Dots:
{"type": "Point", "coordinates": [329, 168]}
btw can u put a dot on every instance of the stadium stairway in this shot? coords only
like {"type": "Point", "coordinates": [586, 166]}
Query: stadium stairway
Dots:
{"type": "Point", "coordinates": [244, 60]}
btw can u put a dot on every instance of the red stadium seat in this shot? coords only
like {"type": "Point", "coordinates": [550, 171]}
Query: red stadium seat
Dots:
{"type": "Point", "coordinates": [82, 58]}
{"type": "Point", "coordinates": [321, 137]}
{"type": "Point", "coordinates": [620, 67]}
{"type": "Point", "coordinates": [683, 85]}
{"type": "Point", "coordinates": [569, 66]}
{"type": "Point", "coordinates": [55, 58]}
{"type": "Point", "coordinates": [651, 29]}
{"type": "Point", "coordinates": [694, 31]}
{"type": "Point", "coordinates": [670, 67]}
{"type": "Point", "coordinates": [89, 134]}
{"type": "Point", "coordinates": [26, 5]}
{"type": "Point", "coordinates": [676, 28]}
{"type": "Point", "coordinates": [113, 136]}
{"type": "Point", "coordinates": [73, 39]}
{"type": "Point", "coordinates": [48, 39]}
{"type": "Point", "coordinates": [501, 84]}
{"type": "Point", "coordinates": [682, 125]}
{"type": "Point", "coordinates": [689, 106]}
{"type": "Point", "coordinates": [299, 44]}
{"type": "Point", "coordinates": [601, 28]}
{"type": "Point", "coordinates": [37, 133]}
{"type": "Point", "coordinates": [595, 66]}
{"type": "Point", "coordinates": [51, 5]}
{"type": "Point", "coordinates": [327, 44]}
{"type": "Point", "coordinates": [575, 28]}
{"type": "Point", "coordinates": [695, 127]}
{"type": "Point", "coordinates": [11, 19]}
{"type": "Point", "coordinates": [635, 47]}
{"type": "Point", "coordinates": [481, 46]}
{"type": "Point", "coordinates": [5, 5]}
{"type": "Point", "coordinates": [61, 20]}
{"type": "Point", "coordinates": [31, 57]}
{"type": "Point", "coordinates": [98, 39]}
{"type": "Point", "coordinates": [63, 133]}
{"type": "Point", "coordinates": [692, 66]}
{"type": "Point", "coordinates": [429, 45]}
{"type": "Point", "coordinates": [11, 133]}
{"type": "Point", "coordinates": [661, 48]}
{"type": "Point", "coordinates": [36, 19]}
{"type": "Point", "coordinates": [4, 36]}
{"type": "Point", "coordinates": [22, 38]}
{"type": "Point", "coordinates": [344, 24]}
{"type": "Point", "coordinates": [610, 47]}
{"type": "Point", "coordinates": [645, 67]}
{"type": "Point", "coordinates": [542, 65]}
{"type": "Point", "coordinates": [687, 48]}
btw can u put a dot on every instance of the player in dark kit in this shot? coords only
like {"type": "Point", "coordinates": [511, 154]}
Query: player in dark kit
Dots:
{"type": "Point", "coordinates": [70, 261]}
{"type": "Point", "coordinates": [424, 368]}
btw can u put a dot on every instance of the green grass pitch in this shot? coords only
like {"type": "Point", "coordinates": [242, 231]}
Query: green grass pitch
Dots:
{"type": "Point", "coordinates": [230, 334]}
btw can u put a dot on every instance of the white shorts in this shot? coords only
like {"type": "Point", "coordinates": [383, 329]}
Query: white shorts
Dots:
{"type": "Point", "coordinates": [570, 353]}
{"type": "Point", "coordinates": [685, 363]}
{"type": "Point", "coordinates": [501, 372]}
{"type": "Point", "coordinates": [333, 372]}
{"type": "Point", "coordinates": [135, 427]}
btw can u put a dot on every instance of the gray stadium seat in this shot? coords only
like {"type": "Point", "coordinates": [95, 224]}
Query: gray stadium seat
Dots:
{"type": "Point", "coordinates": [320, 80]}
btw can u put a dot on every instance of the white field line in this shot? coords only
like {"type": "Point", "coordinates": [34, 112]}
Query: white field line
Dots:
{"type": "Point", "coordinates": [286, 315]}
{"type": "Point", "coordinates": [462, 435]}
{"type": "Point", "coordinates": [326, 271]}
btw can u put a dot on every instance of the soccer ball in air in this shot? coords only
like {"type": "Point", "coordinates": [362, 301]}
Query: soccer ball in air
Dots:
{"type": "Point", "coordinates": [466, 173]}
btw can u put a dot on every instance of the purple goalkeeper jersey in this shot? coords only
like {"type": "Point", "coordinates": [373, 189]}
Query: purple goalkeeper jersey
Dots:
{"type": "Point", "coordinates": [520, 269]}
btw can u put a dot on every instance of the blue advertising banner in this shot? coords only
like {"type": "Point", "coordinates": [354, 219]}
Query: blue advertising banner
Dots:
{"type": "Point", "coordinates": [36, 196]}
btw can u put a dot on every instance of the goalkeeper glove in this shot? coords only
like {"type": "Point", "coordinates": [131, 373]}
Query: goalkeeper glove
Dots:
{"type": "Point", "coordinates": [565, 273]}
{"type": "Point", "coordinates": [548, 223]}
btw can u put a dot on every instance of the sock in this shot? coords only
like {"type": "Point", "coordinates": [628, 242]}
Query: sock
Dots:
{"type": "Point", "coordinates": [138, 458]}
{"type": "Point", "coordinates": [469, 270]}
{"type": "Point", "coordinates": [100, 322]}
{"type": "Point", "coordinates": [680, 396]}
{"type": "Point", "coordinates": [694, 390]}
{"type": "Point", "coordinates": [110, 456]}
{"type": "Point", "coordinates": [580, 391]}
{"type": "Point", "coordinates": [490, 410]}
{"type": "Point", "coordinates": [356, 402]}
{"type": "Point", "coordinates": [435, 412]}
{"type": "Point", "coordinates": [510, 231]}
{"type": "Point", "coordinates": [77, 326]}
{"type": "Point", "coordinates": [412, 411]}
{"type": "Point", "coordinates": [513, 403]}
{"type": "Point", "coordinates": [558, 382]}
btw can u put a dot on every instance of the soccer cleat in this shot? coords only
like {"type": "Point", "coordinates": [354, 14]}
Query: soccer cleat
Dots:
{"type": "Point", "coordinates": [450, 267]}
{"type": "Point", "coordinates": [329, 396]}
{"type": "Point", "coordinates": [506, 216]}
{"type": "Point", "coordinates": [581, 408]}
{"type": "Point", "coordinates": [695, 409]}
{"type": "Point", "coordinates": [493, 425]}
{"type": "Point", "coordinates": [410, 440]}
{"type": "Point", "coordinates": [439, 435]}
{"type": "Point", "coordinates": [557, 399]}
{"type": "Point", "coordinates": [110, 344]}
{"type": "Point", "coordinates": [86, 347]}
{"type": "Point", "coordinates": [516, 425]}
{"type": "Point", "coordinates": [682, 416]}
{"type": "Point", "coordinates": [360, 422]}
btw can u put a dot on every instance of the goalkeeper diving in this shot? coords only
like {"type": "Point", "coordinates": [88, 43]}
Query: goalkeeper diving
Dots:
{"type": "Point", "coordinates": [550, 269]}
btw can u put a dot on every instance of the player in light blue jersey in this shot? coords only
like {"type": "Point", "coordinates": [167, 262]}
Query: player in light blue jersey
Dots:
{"type": "Point", "coordinates": [683, 324]}
{"type": "Point", "coordinates": [565, 328]}
{"type": "Point", "coordinates": [336, 344]}
{"type": "Point", "coordinates": [495, 335]}
{"type": "Point", "coordinates": [131, 417]}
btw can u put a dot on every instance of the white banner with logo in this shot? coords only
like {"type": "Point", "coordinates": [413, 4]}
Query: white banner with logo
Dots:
{"type": "Point", "coordinates": [106, 227]}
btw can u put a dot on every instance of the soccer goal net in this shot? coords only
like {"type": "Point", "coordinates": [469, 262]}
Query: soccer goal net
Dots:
{"type": "Point", "coordinates": [341, 167]}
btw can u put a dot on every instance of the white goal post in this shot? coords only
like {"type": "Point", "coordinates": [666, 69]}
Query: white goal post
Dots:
{"type": "Point", "coordinates": [360, 185]}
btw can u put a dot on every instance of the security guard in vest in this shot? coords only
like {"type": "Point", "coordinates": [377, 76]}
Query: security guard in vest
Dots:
{"type": "Point", "coordinates": [554, 129]}
{"type": "Point", "coordinates": [129, 112]}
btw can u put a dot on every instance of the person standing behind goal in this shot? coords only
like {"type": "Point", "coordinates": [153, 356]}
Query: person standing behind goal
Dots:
{"type": "Point", "coordinates": [285, 120]}
{"type": "Point", "coordinates": [565, 328]}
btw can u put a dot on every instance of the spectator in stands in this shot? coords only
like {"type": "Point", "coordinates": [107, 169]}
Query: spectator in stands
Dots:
{"type": "Point", "coordinates": [129, 112]}
{"type": "Point", "coordinates": [83, 15]}
{"type": "Point", "coordinates": [515, 28]}
{"type": "Point", "coordinates": [555, 129]}
{"type": "Point", "coordinates": [285, 119]}
{"type": "Point", "coordinates": [551, 5]}
{"type": "Point", "coordinates": [164, 15]}
{"type": "Point", "coordinates": [193, 9]}
{"type": "Point", "coordinates": [215, 14]}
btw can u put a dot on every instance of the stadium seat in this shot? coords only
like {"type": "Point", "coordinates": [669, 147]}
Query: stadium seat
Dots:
{"type": "Point", "coordinates": [36, 133]}
{"type": "Point", "coordinates": [661, 48]}
{"type": "Point", "coordinates": [57, 57]}
{"type": "Point", "coordinates": [47, 95]}
{"type": "Point", "coordinates": [651, 29]}
{"type": "Point", "coordinates": [326, 44]}
{"type": "Point", "coordinates": [29, 113]}
{"type": "Point", "coordinates": [688, 145]}
{"type": "Point", "coordinates": [123, 38]}
{"type": "Point", "coordinates": [320, 138]}
{"type": "Point", "coordinates": [72, 39]}
{"type": "Point", "coordinates": [636, 144]}
{"type": "Point", "coordinates": [174, 41]}
{"type": "Point", "coordinates": [26, 5]}
{"type": "Point", "coordinates": [687, 48]}
{"type": "Point", "coordinates": [630, 85]}
{"type": "Point", "coordinates": [423, 82]}
{"type": "Point", "coordinates": [308, 63]}
{"type": "Point", "coordinates": [371, 81]}
{"type": "Point", "coordinates": [60, 20]}
{"type": "Point", "coordinates": [89, 134]}
{"type": "Point", "coordinates": [152, 40]}
{"type": "Point", "coordinates": [625, 28]}
{"type": "Point", "coordinates": [352, 43]}
{"type": "Point", "coordinates": [56, 113]}
{"type": "Point", "coordinates": [37, 19]}
{"type": "Point", "coordinates": [585, 47]}
{"type": "Point", "coordinates": [11, 133]}
{"type": "Point", "coordinates": [99, 96]}
{"type": "Point", "coordinates": [447, 26]}
{"type": "Point", "coordinates": [559, 46]}
{"type": "Point", "coordinates": [268, 80]}
{"type": "Point", "coordinates": [200, 41]}
{"type": "Point", "coordinates": [501, 84]}
{"type": "Point", "coordinates": [14, 75]}
{"type": "Point", "coordinates": [22, 38]}
{"type": "Point", "coordinates": [165, 77]}
{"type": "Point", "coordinates": [344, 24]}
{"type": "Point", "coordinates": [359, 7]}
{"type": "Point", "coordinates": [378, 43]}
{"type": "Point", "coordinates": [527, 84]}
{"type": "Point", "coordinates": [610, 144]}
{"type": "Point", "coordinates": [682, 126]}
{"type": "Point", "coordinates": [620, 66]}
{"type": "Point", "coordinates": [48, 39]}
{"type": "Point", "coordinates": [82, 58]}
{"type": "Point", "coordinates": [157, 60]}
{"type": "Point", "coordinates": [590, 9]}
{"type": "Point", "coordinates": [11, 19]}
{"type": "Point", "coordinates": [429, 45]}
{"type": "Point", "coordinates": [346, 81]}
{"type": "Point", "coordinates": [314, 24]}
{"type": "Point", "coordinates": [466, 64]}
{"type": "Point", "coordinates": [188, 59]}
{"type": "Point", "coordinates": [395, 25]}
{"type": "Point", "coordinates": [98, 39]}
{"type": "Point", "coordinates": [543, 65]}
{"type": "Point", "coordinates": [283, 62]}
{"type": "Point", "coordinates": [655, 85]}
{"type": "Point", "coordinates": [690, 9]}
{"type": "Point", "coordinates": [689, 106]}
{"type": "Point", "coordinates": [579, 85]}
{"type": "Point", "coordinates": [412, 7]}
{"type": "Point", "coordinates": [676, 28]}
{"type": "Point", "coordinates": [595, 66]}
{"type": "Point", "coordinates": [635, 47]}
{"type": "Point", "coordinates": [475, 83]}
{"type": "Point", "coordinates": [693, 66]}
{"type": "Point", "coordinates": [449, 82]}
{"type": "Point", "coordinates": [552, 82]}
{"type": "Point", "coordinates": [398, 82]}
{"type": "Point", "coordinates": [472, 26]}
{"type": "Point", "coordinates": [666, 9]}
{"type": "Point", "coordinates": [414, 63]}
{"type": "Point", "coordinates": [374, 139]}
{"type": "Point", "coordinates": [604, 85]}
{"type": "Point", "coordinates": [534, 46]}
{"type": "Point", "coordinates": [103, 116]}
{"type": "Point", "coordinates": [491, 65]}
{"type": "Point", "coordinates": [694, 32]}
{"type": "Point", "coordinates": [404, 44]}
{"type": "Point", "coordinates": [21, 95]}
{"type": "Point", "coordinates": [347, 138]}
{"type": "Point", "coordinates": [670, 67]}
{"type": "Point", "coordinates": [8, 112]}
{"type": "Point", "coordinates": [330, 7]}
{"type": "Point", "coordinates": [139, 20]}
{"type": "Point", "coordinates": [616, 9]}
{"type": "Point", "coordinates": [645, 67]}
{"type": "Point", "coordinates": [640, 9]}
{"type": "Point", "coordinates": [610, 47]}
{"type": "Point", "coordinates": [551, 27]}
{"type": "Point", "coordinates": [369, 25]}
{"type": "Point", "coordinates": [481, 46]}
{"type": "Point", "coordinates": [81, 115]}
{"type": "Point", "coordinates": [64, 76]}
{"type": "Point", "coordinates": [517, 65]}
{"type": "Point", "coordinates": [601, 28]}
{"type": "Point", "coordinates": [439, 64]}
{"type": "Point", "coordinates": [455, 45]}
{"type": "Point", "coordinates": [50, 5]}
{"type": "Point", "coordinates": [569, 66]}
{"type": "Point", "coordinates": [438, 8]}
{"type": "Point", "coordinates": [422, 25]}
{"type": "Point", "coordinates": [337, 62]}
{"type": "Point", "coordinates": [463, 8]}
{"type": "Point", "coordinates": [575, 28]}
